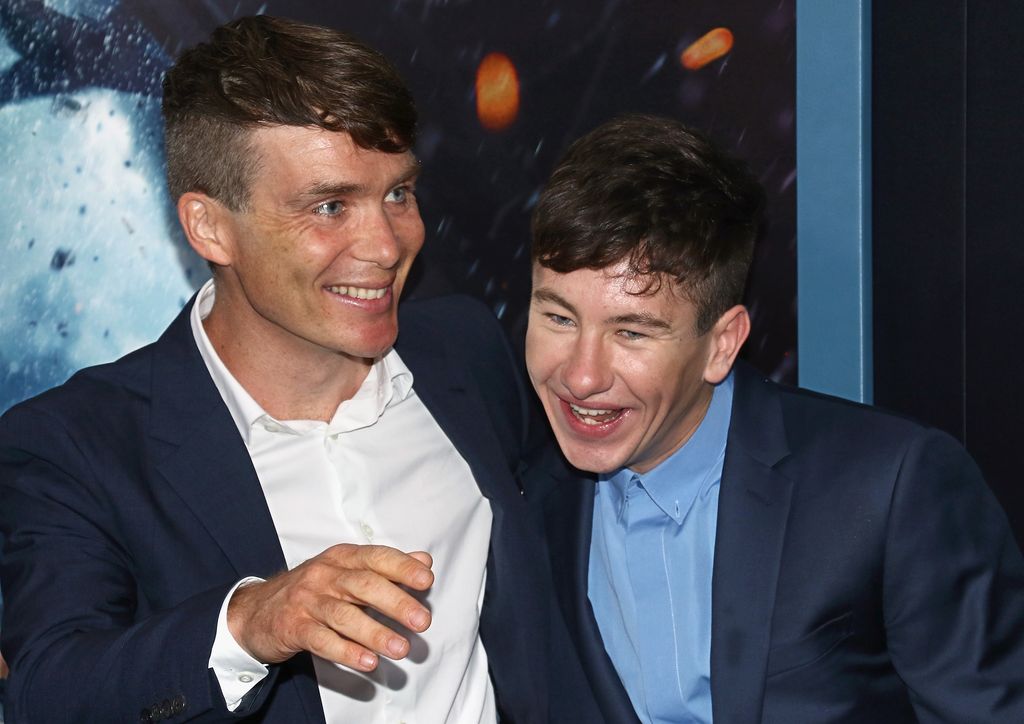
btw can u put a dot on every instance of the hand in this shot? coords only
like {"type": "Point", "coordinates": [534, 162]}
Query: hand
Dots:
{"type": "Point", "coordinates": [318, 607]}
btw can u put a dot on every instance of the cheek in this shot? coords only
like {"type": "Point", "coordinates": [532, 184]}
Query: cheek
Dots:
{"type": "Point", "coordinates": [639, 374]}
{"type": "Point", "coordinates": [538, 356]}
{"type": "Point", "coordinates": [409, 228]}
{"type": "Point", "coordinates": [655, 380]}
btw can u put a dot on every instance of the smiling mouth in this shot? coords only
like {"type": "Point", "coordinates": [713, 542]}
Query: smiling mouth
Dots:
{"type": "Point", "coordinates": [360, 292]}
{"type": "Point", "coordinates": [595, 416]}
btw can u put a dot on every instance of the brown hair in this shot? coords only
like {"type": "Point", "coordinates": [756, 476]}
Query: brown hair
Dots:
{"type": "Point", "coordinates": [653, 192]}
{"type": "Point", "coordinates": [272, 71]}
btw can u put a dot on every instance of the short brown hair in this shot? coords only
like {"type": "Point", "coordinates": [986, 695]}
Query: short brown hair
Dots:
{"type": "Point", "coordinates": [660, 195]}
{"type": "Point", "coordinates": [271, 71]}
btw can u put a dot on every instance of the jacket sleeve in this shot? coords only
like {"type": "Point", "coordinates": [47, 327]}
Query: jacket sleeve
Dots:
{"type": "Point", "coordinates": [82, 644]}
{"type": "Point", "coordinates": [954, 589]}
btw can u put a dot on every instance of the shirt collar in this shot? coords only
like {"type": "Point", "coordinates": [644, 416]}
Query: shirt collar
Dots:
{"type": "Point", "coordinates": [388, 382]}
{"type": "Point", "coordinates": [692, 470]}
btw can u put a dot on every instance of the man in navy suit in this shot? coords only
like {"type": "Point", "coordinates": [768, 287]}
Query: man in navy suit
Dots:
{"type": "Point", "coordinates": [272, 512]}
{"type": "Point", "coordinates": [749, 552]}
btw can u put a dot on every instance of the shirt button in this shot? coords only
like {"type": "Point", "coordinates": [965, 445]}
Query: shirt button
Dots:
{"type": "Point", "coordinates": [367, 531]}
{"type": "Point", "coordinates": [245, 678]}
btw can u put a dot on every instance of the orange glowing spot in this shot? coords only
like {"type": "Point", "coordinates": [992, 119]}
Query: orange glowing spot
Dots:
{"type": "Point", "coordinates": [712, 46]}
{"type": "Point", "coordinates": [497, 92]}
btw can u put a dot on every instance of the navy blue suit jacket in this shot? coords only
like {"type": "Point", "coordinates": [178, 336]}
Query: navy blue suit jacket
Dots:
{"type": "Point", "coordinates": [130, 505]}
{"type": "Point", "coordinates": [863, 572]}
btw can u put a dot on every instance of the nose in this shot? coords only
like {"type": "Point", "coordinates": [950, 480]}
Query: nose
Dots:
{"type": "Point", "coordinates": [587, 371]}
{"type": "Point", "coordinates": [379, 241]}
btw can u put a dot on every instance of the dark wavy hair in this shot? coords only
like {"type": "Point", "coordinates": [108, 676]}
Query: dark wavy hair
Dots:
{"type": "Point", "coordinates": [661, 196]}
{"type": "Point", "coordinates": [262, 70]}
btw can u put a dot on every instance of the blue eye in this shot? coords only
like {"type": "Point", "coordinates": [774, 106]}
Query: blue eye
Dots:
{"type": "Point", "coordinates": [329, 208]}
{"type": "Point", "coordinates": [631, 335]}
{"type": "Point", "coordinates": [399, 195]}
{"type": "Point", "coordinates": [559, 321]}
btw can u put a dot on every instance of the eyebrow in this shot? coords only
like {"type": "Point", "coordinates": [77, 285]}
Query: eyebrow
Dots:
{"type": "Point", "coordinates": [638, 319]}
{"type": "Point", "coordinates": [543, 294]}
{"type": "Point", "coordinates": [333, 188]}
{"type": "Point", "coordinates": [642, 319]}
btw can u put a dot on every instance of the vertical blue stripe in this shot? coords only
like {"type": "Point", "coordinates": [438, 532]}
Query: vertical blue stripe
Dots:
{"type": "Point", "coordinates": [833, 148]}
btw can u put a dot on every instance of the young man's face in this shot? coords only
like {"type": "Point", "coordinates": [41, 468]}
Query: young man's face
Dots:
{"type": "Point", "coordinates": [319, 257]}
{"type": "Point", "coordinates": [623, 377]}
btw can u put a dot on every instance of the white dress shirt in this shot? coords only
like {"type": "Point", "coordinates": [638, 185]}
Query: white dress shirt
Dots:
{"type": "Point", "coordinates": [381, 472]}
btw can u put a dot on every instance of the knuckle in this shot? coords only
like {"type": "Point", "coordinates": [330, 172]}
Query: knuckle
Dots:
{"type": "Point", "coordinates": [339, 551]}
{"type": "Point", "coordinates": [373, 555]}
{"type": "Point", "coordinates": [306, 634]}
{"type": "Point", "coordinates": [344, 616]}
{"type": "Point", "coordinates": [359, 584]}
{"type": "Point", "coordinates": [318, 568]}
{"type": "Point", "coordinates": [295, 597]}
{"type": "Point", "coordinates": [313, 637]}
{"type": "Point", "coordinates": [349, 653]}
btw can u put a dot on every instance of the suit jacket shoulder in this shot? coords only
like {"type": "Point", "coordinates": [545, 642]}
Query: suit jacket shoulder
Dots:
{"type": "Point", "coordinates": [853, 531]}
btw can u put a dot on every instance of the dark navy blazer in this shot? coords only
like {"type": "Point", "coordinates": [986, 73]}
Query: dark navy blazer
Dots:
{"type": "Point", "coordinates": [130, 505]}
{"type": "Point", "coordinates": [863, 572]}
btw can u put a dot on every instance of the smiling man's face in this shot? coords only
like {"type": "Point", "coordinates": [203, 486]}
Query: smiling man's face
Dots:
{"type": "Point", "coordinates": [623, 376]}
{"type": "Point", "coordinates": [316, 264]}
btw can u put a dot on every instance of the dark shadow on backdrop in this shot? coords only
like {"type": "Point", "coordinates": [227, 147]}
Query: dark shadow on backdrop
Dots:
{"type": "Point", "coordinates": [948, 262]}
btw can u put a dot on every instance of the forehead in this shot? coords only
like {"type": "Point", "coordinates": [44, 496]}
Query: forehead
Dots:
{"type": "Point", "coordinates": [612, 293]}
{"type": "Point", "coordinates": [296, 153]}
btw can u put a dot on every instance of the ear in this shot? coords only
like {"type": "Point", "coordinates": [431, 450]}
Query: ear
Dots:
{"type": "Point", "coordinates": [727, 337]}
{"type": "Point", "coordinates": [206, 224]}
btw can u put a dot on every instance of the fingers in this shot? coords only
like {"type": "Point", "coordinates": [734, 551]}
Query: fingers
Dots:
{"type": "Point", "coordinates": [319, 607]}
{"type": "Point", "coordinates": [423, 557]}
{"type": "Point", "coordinates": [349, 636]}
{"type": "Point", "coordinates": [327, 644]}
{"type": "Point", "coordinates": [369, 589]}
{"type": "Point", "coordinates": [407, 569]}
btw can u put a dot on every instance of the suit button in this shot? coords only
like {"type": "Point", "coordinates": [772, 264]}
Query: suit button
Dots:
{"type": "Point", "coordinates": [179, 703]}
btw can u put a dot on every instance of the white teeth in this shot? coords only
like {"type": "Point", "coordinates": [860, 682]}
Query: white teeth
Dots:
{"type": "Point", "coordinates": [360, 292]}
{"type": "Point", "coordinates": [589, 410]}
{"type": "Point", "coordinates": [593, 416]}
{"type": "Point", "coordinates": [590, 415]}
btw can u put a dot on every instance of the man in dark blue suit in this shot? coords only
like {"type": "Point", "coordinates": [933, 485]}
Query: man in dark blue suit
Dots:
{"type": "Point", "coordinates": [749, 552]}
{"type": "Point", "coordinates": [272, 512]}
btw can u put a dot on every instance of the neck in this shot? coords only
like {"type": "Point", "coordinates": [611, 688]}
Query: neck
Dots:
{"type": "Point", "coordinates": [290, 378]}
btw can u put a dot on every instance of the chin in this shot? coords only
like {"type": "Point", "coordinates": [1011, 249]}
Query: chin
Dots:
{"type": "Point", "coordinates": [372, 347]}
{"type": "Point", "coordinates": [589, 462]}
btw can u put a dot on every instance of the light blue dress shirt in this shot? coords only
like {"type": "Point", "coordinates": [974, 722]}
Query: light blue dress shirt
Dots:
{"type": "Point", "coordinates": [651, 556]}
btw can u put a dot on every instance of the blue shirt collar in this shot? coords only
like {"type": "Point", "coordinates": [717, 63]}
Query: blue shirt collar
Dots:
{"type": "Point", "coordinates": [691, 471]}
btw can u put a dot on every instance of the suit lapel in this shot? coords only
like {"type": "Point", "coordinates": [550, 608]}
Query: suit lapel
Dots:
{"type": "Point", "coordinates": [460, 413]}
{"type": "Point", "coordinates": [203, 458]}
{"type": "Point", "coordinates": [569, 521]}
{"type": "Point", "coordinates": [752, 512]}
